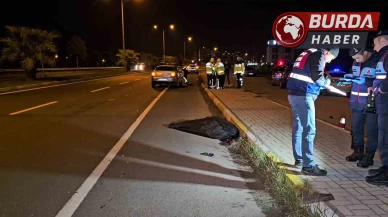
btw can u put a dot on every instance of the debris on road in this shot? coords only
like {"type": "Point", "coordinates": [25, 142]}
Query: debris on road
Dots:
{"type": "Point", "coordinates": [207, 154]}
{"type": "Point", "coordinates": [210, 127]}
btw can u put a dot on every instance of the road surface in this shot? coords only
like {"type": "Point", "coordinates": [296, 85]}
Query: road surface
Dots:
{"type": "Point", "coordinates": [102, 148]}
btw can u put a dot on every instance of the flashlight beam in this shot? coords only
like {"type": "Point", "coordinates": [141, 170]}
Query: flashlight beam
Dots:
{"type": "Point", "coordinates": [335, 90]}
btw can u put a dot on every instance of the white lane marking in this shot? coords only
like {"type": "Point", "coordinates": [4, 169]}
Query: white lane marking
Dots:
{"type": "Point", "coordinates": [124, 83]}
{"type": "Point", "coordinates": [58, 85]}
{"type": "Point", "coordinates": [99, 89]}
{"type": "Point", "coordinates": [32, 108]}
{"type": "Point", "coordinates": [72, 205]}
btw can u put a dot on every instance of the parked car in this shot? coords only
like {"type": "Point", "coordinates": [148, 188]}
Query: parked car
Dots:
{"type": "Point", "coordinates": [192, 68]}
{"type": "Point", "coordinates": [250, 71]}
{"type": "Point", "coordinates": [167, 74]}
{"type": "Point", "coordinates": [280, 75]}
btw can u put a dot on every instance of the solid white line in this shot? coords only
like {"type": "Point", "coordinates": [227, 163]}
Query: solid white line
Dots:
{"type": "Point", "coordinates": [58, 85]}
{"type": "Point", "coordinates": [32, 108]}
{"type": "Point", "coordinates": [99, 89]}
{"type": "Point", "coordinates": [72, 205]}
{"type": "Point", "coordinates": [124, 83]}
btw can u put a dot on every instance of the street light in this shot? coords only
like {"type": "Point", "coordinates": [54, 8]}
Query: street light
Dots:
{"type": "Point", "coordinates": [246, 54]}
{"type": "Point", "coordinates": [172, 27]}
{"type": "Point", "coordinates": [184, 49]}
{"type": "Point", "coordinates": [215, 49]}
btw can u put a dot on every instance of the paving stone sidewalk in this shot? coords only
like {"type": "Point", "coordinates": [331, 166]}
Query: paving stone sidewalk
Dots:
{"type": "Point", "coordinates": [271, 123]}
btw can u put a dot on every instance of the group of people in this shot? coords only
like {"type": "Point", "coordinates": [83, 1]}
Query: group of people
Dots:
{"type": "Point", "coordinates": [219, 71]}
{"type": "Point", "coordinates": [369, 81]}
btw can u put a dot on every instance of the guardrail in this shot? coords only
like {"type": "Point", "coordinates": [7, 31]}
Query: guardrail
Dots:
{"type": "Point", "coordinates": [16, 71]}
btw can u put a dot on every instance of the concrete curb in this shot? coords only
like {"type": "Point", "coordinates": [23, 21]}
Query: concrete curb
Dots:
{"type": "Point", "coordinates": [23, 87]}
{"type": "Point", "coordinates": [245, 133]}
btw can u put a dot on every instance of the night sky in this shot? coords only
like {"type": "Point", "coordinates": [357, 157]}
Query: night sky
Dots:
{"type": "Point", "coordinates": [242, 26]}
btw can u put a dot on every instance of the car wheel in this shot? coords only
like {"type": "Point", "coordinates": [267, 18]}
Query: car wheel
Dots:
{"type": "Point", "coordinates": [153, 84]}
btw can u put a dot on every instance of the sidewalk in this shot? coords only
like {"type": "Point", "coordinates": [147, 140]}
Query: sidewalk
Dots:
{"type": "Point", "coordinates": [270, 123]}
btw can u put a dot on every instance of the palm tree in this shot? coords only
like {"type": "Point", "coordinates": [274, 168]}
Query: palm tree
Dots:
{"type": "Point", "coordinates": [127, 58]}
{"type": "Point", "coordinates": [30, 47]}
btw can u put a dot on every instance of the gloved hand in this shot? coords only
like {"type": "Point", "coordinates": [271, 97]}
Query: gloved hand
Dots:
{"type": "Point", "coordinates": [327, 81]}
{"type": "Point", "coordinates": [349, 76]}
{"type": "Point", "coordinates": [360, 80]}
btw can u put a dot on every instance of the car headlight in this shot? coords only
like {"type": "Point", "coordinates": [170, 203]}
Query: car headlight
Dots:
{"type": "Point", "coordinates": [153, 74]}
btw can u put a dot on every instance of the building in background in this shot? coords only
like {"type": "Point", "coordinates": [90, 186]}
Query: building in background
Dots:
{"type": "Point", "coordinates": [277, 52]}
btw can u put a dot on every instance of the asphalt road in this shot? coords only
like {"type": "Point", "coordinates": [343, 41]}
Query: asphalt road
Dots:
{"type": "Point", "coordinates": [58, 146]}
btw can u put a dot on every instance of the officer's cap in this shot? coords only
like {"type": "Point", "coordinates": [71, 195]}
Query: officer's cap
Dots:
{"type": "Point", "coordinates": [381, 33]}
{"type": "Point", "coordinates": [355, 51]}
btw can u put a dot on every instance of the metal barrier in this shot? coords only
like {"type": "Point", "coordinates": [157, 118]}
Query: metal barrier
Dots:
{"type": "Point", "coordinates": [16, 71]}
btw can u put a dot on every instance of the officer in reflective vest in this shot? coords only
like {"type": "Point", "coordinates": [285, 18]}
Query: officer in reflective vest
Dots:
{"type": "Point", "coordinates": [362, 77]}
{"type": "Point", "coordinates": [210, 68]}
{"type": "Point", "coordinates": [304, 84]}
{"type": "Point", "coordinates": [239, 69]}
{"type": "Point", "coordinates": [220, 68]}
{"type": "Point", "coordinates": [380, 89]}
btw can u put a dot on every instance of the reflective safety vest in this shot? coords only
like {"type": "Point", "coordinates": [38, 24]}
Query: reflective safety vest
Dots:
{"type": "Point", "coordinates": [381, 100]}
{"type": "Point", "coordinates": [209, 68]}
{"type": "Point", "coordinates": [220, 68]}
{"type": "Point", "coordinates": [359, 93]}
{"type": "Point", "coordinates": [300, 80]}
{"type": "Point", "coordinates": [239, 68]}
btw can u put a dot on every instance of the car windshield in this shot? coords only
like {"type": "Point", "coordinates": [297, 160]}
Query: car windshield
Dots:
{"type": "Point", "coordinates": [192, 65]}
{"type": "Point", "coordinates": [249, 68]}
{"type": "Point", "coordinates": [165, 68]}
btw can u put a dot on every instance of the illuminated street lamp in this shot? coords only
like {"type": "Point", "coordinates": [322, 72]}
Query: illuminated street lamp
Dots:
{"type": "Point", "coordinates": [215, 49]}
{"type": "Point", "coordinates": [184, 48]}
{"type": "Point", "coordinates": [246, 54]}
{"type": "Point", "coordinates": [172, 27]}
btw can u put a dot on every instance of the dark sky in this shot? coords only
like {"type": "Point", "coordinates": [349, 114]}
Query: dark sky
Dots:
{"type": "Point", "coordinates": [229, 25]}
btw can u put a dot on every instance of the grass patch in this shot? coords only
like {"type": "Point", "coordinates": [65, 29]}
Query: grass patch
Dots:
{"type": "Point", "coordinates": [292, 199]}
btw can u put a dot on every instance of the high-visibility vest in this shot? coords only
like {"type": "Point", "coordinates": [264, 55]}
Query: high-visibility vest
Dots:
{"type": "Point", "coordinates": [239, 68]}
{"type": "Point", "coordinates": [209, 68]}
{"type": "Point", "coordinates": [220, 68]}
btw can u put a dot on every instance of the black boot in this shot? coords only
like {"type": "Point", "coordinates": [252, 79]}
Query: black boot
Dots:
{"type": "Point", "coordinates": [373, 172]}
{"type": "Point", "coordinates": [379, 179]}
{"type": "Point", "coordinates": [357, 154]}
{"type": "Point", "coordinates": [367, 160]}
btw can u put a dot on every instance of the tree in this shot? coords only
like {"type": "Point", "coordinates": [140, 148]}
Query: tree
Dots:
{"type": "Point", "coordinates": [77, 48]}
{"type": "Point", "coordinates": [127, 58]}
{"type": "Point", "coordinates": [30, 47]}
{"type": "Point", "coordinates": [149, 59]}
{"type": "Point", "coordinates": [171, 60]}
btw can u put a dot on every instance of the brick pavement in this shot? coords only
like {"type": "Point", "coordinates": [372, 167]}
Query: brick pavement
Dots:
{"type": "Point", "coordinates": [271, 123]}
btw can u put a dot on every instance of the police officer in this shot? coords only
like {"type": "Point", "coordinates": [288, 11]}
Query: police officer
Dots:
{"type": "Point", "coordinates": [210, 68]}
{"type": "Point", "coordinates": [239, 69]}
{"type": "Point", "coordinates": [380, 89]}
{"type": "Point", "coordinates": [220, 68]}
{"type": "Point", "coordinates": [362, 76]}
{"type": "Point", "coordinates": [306, 79]}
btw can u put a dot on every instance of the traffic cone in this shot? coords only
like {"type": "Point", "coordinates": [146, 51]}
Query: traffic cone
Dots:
{"type": "Point", "coordinates": [342, 122]}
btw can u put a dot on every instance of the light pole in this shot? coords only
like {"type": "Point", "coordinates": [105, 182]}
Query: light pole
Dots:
{"type": "Point", "coordinates": [172, 27]}
{"type": "Point", "coordinates": [184, 49]}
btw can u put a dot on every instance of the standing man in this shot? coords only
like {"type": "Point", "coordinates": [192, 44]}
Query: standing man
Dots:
{"type": "Point", "coordinates": [227, 70]}
{"type": "Point", "coordinates": [380, 89]}
{"type": "Point", "coordinates": [220, 68]}
{"type": "Point", "coordinates": [211, 80]}
{"type": "Point", "coordinates": [364, 72]}
{"type": "Point", "coordinates": [239, 69]}
{"type": "Point", "coordinates": [303, 87]}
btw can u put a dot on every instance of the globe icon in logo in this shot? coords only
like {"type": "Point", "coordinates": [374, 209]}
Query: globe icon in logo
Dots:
{"type": "Point", "coordinates": [289, 30]}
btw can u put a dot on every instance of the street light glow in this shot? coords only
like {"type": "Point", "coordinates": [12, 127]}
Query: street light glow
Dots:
{"type": "Point", "coordinates": [103, 60]}
{"type": "Point", "coordinates": [155, 26]}
{"type": "Point", "coordinates": [246, 54]}
{"type": "Point", "coordinates": [215, 49]}
{"type": "Point", "coordinates": [172, 27]}
{"type": "Point", "coordinates": [189, 38]}
{"type": "Point", "coordinates": [56, 56]}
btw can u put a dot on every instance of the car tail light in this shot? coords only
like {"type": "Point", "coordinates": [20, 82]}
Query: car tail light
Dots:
{"type": "Point", "coordinates": [172, 74]}
{"type": "Point", "coordinates": [153, 74]}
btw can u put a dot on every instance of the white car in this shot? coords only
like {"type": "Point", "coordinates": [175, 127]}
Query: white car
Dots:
{"type": "Point", "coordinates": [140, 66]}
